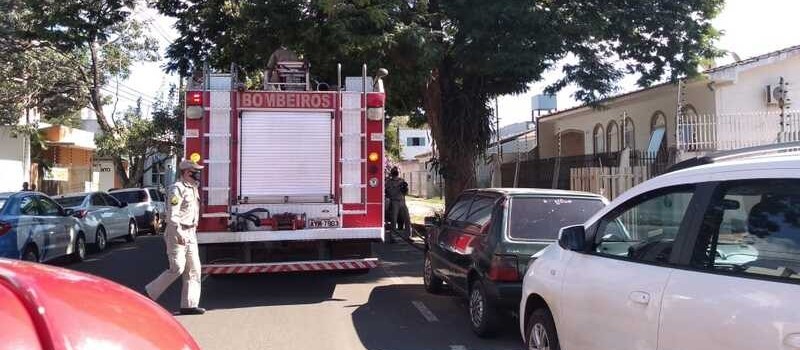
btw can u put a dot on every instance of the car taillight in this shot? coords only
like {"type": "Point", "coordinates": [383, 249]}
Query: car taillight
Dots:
{"type": "Point", "coordinates": [4, 228]}
{"type": "Point", "coordinates": [80, 214]}
{"type": "Point", "coordinates": [504, 269]}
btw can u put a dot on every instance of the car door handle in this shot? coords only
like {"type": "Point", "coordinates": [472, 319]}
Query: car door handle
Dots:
{"type": "Point", "coordinates": [792, 340]}
{"type": "Point", "coordinates": [640, 297]}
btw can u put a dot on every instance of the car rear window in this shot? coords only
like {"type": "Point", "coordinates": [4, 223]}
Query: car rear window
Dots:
{"type": "Point", "coordinates": [543, 217]}
{"type": "Point", "coordinates": [129, 196]}
{"type": "Point", "coordinates": [155, 195]}
{"type": "Point", "coordinates": [68, 202]}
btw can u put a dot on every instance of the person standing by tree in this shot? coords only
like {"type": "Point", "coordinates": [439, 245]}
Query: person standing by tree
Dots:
{"type": "Point", "coordinates": [181, 239]}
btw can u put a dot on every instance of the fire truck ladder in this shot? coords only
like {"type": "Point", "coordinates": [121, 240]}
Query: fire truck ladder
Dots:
{"type": "Point", "coordinates": [290, 76]}
{"type": "Point", "coordinates": [217, 140]}
{"type": "Point", "coordinates": [353, 145]}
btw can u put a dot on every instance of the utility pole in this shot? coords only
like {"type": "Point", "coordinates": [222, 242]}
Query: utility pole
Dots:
{"type": "Point", "coordinates": [499, 169]}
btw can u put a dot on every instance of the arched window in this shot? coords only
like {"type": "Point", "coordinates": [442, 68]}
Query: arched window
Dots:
{"type": "Point", "coordinates": [658, 134]}
{"type": "Point", "coordinates": [628, 134]}
{"type": "Point", "coordinates": [599, 137]}
{"type": "Point", "coordinates": [612, 140]}
{"type": "Point", "coordinates": [659, 120]}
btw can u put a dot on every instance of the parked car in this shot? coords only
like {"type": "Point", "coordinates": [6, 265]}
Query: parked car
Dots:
{"type": "Point", "coordinates": [35, 228]}
{"type": "Point", "coordinates": [482, 246]}
{"type": "Point", "coordinates": [706, 257]}
{"type": "Point", "coordinates": [101, 216]}
{"type": "Point", "coordinates": [45, 307]}
{"type": "Point", "coordinates": [146, 205]}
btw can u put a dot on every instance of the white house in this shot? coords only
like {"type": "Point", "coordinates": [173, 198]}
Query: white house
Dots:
{"type": "Point", "coordinates": [638, 135]}
{"type": "Point", "coordinates": [15, 160]}
{"type": "Point", "coordinates": [747, 104]}
{"type": "Point", "coordinates": [414, 142]}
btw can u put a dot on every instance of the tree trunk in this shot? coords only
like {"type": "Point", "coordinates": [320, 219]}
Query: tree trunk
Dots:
{"type": "Point", "coordinates": [96, 100]}
{"type": "Point", "coordinates": [456, 166]}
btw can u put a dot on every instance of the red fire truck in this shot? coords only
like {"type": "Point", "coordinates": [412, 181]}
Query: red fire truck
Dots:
{"type": "Point", "coordinates": [293, 177]}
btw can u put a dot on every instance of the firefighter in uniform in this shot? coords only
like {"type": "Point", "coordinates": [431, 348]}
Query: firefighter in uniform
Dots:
{"type": "Point", "coordinates": [396, 190]}
{"type": "Point", "coordinates": [181, 240]}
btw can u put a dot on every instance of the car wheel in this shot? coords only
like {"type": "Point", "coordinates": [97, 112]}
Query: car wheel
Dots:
{"type": "Point", "coordinates": [131, 231]}
{"type": "Point", "coordinates": [30, 255]}
{"type": "Point", "coordinates": [79, 253]}
{"type": "Point", "coordinates": [482, 313]}
{"type": "Point", "coordinates": [100, 240]}
{"type": "Point", "coordinates": [433, 284]}
{"type": "Point", "coordinates": [541, 333]}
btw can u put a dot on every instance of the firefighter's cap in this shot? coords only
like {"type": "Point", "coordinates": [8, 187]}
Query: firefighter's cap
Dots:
{"type": "Point", "coordinates": [188, 164]}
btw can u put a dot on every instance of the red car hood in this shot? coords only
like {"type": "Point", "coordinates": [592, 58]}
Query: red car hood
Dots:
{"type": "Point", "coordinates": [45, 307]}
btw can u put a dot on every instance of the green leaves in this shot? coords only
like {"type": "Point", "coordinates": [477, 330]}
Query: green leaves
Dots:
{"type": "Point", "coordinates": [449, 58]}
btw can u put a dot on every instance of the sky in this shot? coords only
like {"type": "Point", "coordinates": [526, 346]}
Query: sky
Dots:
{"type": "Point", "coordinates": [750, 28]}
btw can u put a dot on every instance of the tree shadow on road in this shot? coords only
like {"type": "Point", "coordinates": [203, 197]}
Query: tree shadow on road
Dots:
{"type": "Point", "coordinates": [244, 291]}
{"type": "Point", "coordinates": [390, 321]}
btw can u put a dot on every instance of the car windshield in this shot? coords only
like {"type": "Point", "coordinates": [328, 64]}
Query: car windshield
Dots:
{"type": "Point", "coordinates": [68, 202]}
{"type": "Point", "coordinates": [129, 196]}
{"type": "Point", "coordinates": [542, 217]}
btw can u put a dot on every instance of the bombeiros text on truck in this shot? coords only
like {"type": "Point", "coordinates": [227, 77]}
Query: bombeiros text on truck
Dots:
{"type": "Point", "coordinates": [294, 174]}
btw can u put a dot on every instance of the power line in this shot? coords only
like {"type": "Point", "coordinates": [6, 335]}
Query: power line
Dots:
{"type": "Point", "coordinates": [132, 91]}
{"type": "Point", "coordinates": [130, 98]}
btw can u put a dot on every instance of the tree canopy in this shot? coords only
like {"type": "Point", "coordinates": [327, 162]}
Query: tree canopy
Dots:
{"type": "Point", "coordinates": [448, 59]}
{"type": "Point", "coordinates": [59, 57]}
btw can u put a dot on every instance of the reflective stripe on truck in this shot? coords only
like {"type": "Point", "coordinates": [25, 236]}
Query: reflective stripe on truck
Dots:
{"type": "Point", "coordinates": [295, 266]}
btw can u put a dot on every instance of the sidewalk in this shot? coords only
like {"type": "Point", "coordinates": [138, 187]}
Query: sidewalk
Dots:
{"type": "Point", "coordinates": [419, 208]}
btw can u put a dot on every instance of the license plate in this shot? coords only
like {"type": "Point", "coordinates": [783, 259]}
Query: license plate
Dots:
{"type": "Point", "coordinates": [323, 223]}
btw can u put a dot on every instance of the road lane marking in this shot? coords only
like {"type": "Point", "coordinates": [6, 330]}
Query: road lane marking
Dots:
{"type": "Point", "coordinates": [425, 311]}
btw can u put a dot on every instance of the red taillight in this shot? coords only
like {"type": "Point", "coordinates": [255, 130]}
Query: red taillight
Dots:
{"type": "Point", "coordinates": [504, 269]}
{"type": "Point", "coordinates": [80, 214]}
{"type": "Point", "coordinates": [194, 98]}
{"type": "Point", "coordinates": [4, 228]}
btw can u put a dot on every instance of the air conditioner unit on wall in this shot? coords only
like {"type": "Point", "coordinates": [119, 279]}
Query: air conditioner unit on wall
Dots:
{"type": "Point", "coordinates": [771, 101]}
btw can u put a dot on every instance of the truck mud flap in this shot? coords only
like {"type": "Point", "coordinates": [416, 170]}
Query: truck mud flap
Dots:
{"type": "Point", "coordinates": [293, 266]}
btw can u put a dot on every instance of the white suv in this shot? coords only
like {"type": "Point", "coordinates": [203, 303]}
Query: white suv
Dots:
{"type": "Point", "coordinates": [702, 258]}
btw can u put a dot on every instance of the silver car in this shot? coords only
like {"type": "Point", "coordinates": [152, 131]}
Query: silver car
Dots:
{"type": "Point", "coordinates": [34, 228]}
{"type": "Point", "coordinates": [101, 216]}
{"type": "Point", "coordinates": [146, 205]}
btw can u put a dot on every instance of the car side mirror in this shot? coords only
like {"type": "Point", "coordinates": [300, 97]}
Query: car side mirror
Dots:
{"type": "Point", "coordinates": [431, 221]}
{"type": "Point", "coordinates": [68, 212]}
{"type": "Point", "coordinates": [572, 238]}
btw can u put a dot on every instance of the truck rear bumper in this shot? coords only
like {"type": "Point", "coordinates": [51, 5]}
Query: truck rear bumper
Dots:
{"type": "Point", "coordinates": [294, 266]}
{"type": "Point", "coordinates": [375, 233]}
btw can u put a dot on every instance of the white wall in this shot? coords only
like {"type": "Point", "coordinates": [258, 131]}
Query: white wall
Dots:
{"type": "Point", "coordinates": [14, 160]}
{"type": "Point", "coordinates": [409, 152]}
{"type": "Point", "coordinates": [105, 169]}
{"type": "Point", "coordinates": [743, 90]}
{"type": "Point", "coordinates": [742, 104]}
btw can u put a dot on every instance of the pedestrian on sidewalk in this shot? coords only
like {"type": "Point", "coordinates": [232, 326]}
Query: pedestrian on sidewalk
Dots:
{"type": "Point", "coordinates": [181, 241]}
{"type": "Point", "coordinates": [396, 191]}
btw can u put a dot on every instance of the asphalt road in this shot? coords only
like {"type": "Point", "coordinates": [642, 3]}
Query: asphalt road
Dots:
{"type": "Point", "coordinates": [386, 309]}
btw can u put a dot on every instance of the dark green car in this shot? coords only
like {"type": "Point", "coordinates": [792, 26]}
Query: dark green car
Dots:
{"type": "Point", "coordinates": [484, 243]}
